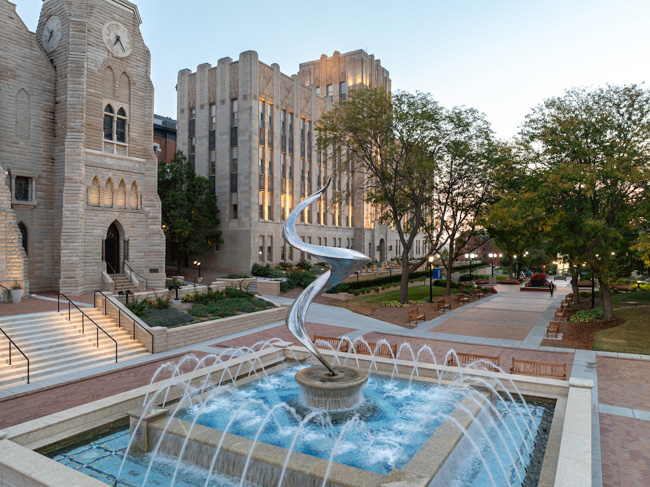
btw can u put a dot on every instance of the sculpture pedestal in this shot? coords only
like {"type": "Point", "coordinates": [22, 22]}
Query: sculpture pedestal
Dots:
{"type": "Point", "coordinates": [323, 391]}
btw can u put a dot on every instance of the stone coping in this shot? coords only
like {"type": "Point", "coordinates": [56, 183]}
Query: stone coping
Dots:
{"type": "Point", "coordinates": [52, 429]}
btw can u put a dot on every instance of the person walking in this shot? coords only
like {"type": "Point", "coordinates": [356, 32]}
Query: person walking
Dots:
{"type": "Point", "coordinates": [551, 286]}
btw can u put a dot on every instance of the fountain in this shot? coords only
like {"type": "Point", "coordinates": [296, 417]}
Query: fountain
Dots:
{"type": "Point", "coordinates": [323, 387]}
{"type": "Point", "coordinates": [265, 415]}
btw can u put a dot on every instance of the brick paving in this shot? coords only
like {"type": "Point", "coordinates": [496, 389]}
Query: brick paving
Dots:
{"type": "Point", "coordinates": [283, 333]}
{"type": "Point", "coordinates": [484, 329]}
{"type": "Point", "coordinates": [624, 383]}
{"type": "Point", "coordinates": [35, 305]}
{"type": "Point", "coordinates": [625, 443]}
{"type": "Point", "coordinates": [501, 316]}
{"type": "Point", "coordinates": [441, 347]}
{"type": "Point", "coordinates": [48, 400]}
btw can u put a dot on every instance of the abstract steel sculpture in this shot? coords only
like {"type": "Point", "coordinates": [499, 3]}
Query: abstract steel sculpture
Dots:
{"type": "Point", "coordinates": [343, 262]}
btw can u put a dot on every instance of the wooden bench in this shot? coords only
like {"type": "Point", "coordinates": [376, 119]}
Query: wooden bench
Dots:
{"type": "Point", "coordinates": [336, 343]}
{"type": "Point", "coordinates": [443, 305]}
{"type": "Point", "coordinates": [538, 369]}
{"type": "Point", "coordinates": [560, 314]}
{"type": "Point", "coordinates": [382, 350]}
{"type": "Point", "coordinates": [478, 294]}
{"type": "Point", "coordinates": [415, 314]}
{"type": "Point", "coordinates": [462, 298]}
{"type": "Point", "coordinates": [553, 328]}
{"type": "Point", "coordinates": [469, 358]}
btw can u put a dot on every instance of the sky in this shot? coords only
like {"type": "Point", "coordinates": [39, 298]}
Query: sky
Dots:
{"type": "Point", "coordinates": [502, 57]}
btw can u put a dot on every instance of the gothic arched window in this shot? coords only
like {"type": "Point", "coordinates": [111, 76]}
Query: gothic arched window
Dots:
{"type": "Point", "coordinates": [108, 122]}
{"type": "Point", "coordinates": [120, 126]}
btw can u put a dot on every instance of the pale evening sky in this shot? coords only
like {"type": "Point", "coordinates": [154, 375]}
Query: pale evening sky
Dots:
{"type": "Point", "coordinates": [501, 57]}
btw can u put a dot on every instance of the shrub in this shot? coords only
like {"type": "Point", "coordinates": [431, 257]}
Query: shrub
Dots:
{"type": "Point", "coordinates": [443, 283]}
{"type": "Point", "coordinates": [393, 304]}
{"type": "Point", "coordinates": [138, 306]}
{"type": "Point", "coordinates": [235, 292]}
{"type": "Point", "coordinates": [304, 265]}
{"type": "Point", "coordinates": [276, 273]}
{"type": "Point", "coordinates": [301, 278]}
{"type": "Point", "coordinates": [287, 285]}
{"type": "Point", "coordinates": [166, 317]}
{"type": "Point", "coordinates": [464, 278]}
{"type": "Point", "coordinates": [537, 280]}
{"type": "Point", "coordinates": [587, 315]}
{"type": "Point", "coordinates": [284, 265]}
{"type": "Point", "coordinates": [237, 276]}
{"type": "Point", "coordinates": [188, 298]}
{"type": "Point", "coordinates": [261, 270]}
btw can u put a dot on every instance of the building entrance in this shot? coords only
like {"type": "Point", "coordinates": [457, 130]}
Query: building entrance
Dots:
{"type": "Point", "coordinates": [112, 249]}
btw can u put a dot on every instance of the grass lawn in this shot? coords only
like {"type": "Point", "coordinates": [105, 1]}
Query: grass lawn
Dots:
{"type": "Point", "coordinates": [633, 336]}
{"type": "Point", "coordinates": [415, 293]}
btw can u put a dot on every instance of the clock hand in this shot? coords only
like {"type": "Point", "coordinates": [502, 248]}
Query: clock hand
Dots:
{"type": "Point", "coordinates": [51, 34]}
{"type": "Point", "coordinates": [122, 45]}
{"type": "Point", "coordinates": [117, 39]}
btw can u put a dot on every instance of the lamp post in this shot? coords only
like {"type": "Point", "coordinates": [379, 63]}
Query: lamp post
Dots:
{"type": "Point", "coordinates": [431, 279]}
{"type": "Point", "coordinates": [470, 257]}
{"type": "Point", "coordinates": [492, 257]}
{"type": "Point", "coordinates": [197, 263]}
{"type": "Point", "coordinates": [175, 287]}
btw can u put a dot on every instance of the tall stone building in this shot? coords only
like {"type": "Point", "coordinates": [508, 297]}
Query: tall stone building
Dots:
{"type": "Point", "coordinates": [250, 129]}
{"type": "Point", "coordinates": [76, 131]}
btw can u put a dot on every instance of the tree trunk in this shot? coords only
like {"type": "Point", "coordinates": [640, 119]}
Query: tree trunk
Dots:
{"type": "Point", "coordinates": [510, 269]}
{"type": "Point", "coordinates": [608, 312]}
{"type": "Point", "coordinates": [179, 258]}
{"type": "Point", "coordinates": [404, 283]}
{"type": "Point", "coordinates": [574, 287]}
{"type": "Point", "coordinates": [448, 285]}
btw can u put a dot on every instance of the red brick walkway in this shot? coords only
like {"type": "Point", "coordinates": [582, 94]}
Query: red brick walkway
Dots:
{"type": "Point", "coordinates": [282, 332]}
{"type": "Point", "coordinates": [624, 383]}
{"type": "Point", "coordinates": [486, 329]}
{"type": "Point", "coordinates": [35, 404]}
{"type": "Point", "coordinates": [625, 443]}
{"type": "Point", "coordinates": [35, 305]}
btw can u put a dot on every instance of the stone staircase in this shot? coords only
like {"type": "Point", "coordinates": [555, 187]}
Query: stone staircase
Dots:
{"type": "Point", "coordinates": [122, 283]}
{"type": "Point", "coordinates": [252, 287]}
{"type": "Point", "coordinates": [56, 346]}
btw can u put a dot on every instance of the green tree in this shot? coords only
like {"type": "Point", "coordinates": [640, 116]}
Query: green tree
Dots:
{"type": "Point", "coordinates": [387, 145]}
{"type": "Point", "coordinates": [590, 151]}
{"type": "Point", "coordinates": [189, 210]}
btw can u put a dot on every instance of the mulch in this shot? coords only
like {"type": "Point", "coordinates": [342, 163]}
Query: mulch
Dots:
{"type": "Point", "coordinates": [580, 335]}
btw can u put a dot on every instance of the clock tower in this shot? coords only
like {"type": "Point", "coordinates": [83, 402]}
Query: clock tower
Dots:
{"type": "Point", "coordinates": [106, 207]}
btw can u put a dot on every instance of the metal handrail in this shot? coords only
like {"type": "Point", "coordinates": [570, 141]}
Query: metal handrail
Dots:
{"type": "Point", "coordinates": [6, 289]}
{"type": "Point", "coordinates": [11, 342]}
{"type": "Point", "coordinates": [119, 319]}
{"type": "Point", "coordinates": [113, 273]}
{"type": "Point", "coordinates": [133, 272]}
{"type": "Point", "coordinates": [83, 330]}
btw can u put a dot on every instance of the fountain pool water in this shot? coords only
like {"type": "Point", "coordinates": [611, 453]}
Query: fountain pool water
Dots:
{"type": "Point", "coordinates": [396, 418]}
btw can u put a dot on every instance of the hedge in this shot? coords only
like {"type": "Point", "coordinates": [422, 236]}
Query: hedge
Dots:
{"type": "Point", "coordinates": [380, 281]}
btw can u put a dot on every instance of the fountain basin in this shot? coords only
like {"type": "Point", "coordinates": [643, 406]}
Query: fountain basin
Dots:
{"type": "Point", "coordinates": [322, 390]}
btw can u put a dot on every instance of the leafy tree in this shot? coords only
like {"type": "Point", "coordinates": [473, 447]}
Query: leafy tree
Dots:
{"type": "Point", "coordinates": [590, 151]}
{"type": "Point", "coordinates": [189, 210]}
{"type": "Point", "coordinates": [388, 145]}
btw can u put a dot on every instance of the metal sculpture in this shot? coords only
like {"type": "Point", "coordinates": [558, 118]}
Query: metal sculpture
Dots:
{"type": "Point", "coordinates": [343, 262]}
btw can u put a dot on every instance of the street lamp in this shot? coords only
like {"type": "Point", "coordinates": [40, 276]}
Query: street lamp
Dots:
{"type": "Point", "coordinates": [197, 263]}
{"type": "Point", "coordinates": [470, 257]}
{"type": "Point", "coordinates": [431, 279]}
{"type": "Point", "coordinates": [492, 257]}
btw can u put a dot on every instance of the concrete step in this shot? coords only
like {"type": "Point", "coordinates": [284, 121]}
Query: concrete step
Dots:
{"type": "Point", "coordinates": [18, 375]}
{"type": "Point", "coordinates": [55, 345]}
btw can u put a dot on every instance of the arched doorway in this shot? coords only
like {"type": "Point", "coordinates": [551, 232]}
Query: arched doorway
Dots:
{"type": "Point", "coordinates": [382, 250]}
{"type": "Point", "coordinates": [23, 232]}
{"type": "Point", "coordinates": [112, 249]}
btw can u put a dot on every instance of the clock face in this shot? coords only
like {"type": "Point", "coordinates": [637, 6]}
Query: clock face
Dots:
{"type": "Point", "coordinates": [51, 33]}
{"type": "Point", "coordinates": [117, 39]}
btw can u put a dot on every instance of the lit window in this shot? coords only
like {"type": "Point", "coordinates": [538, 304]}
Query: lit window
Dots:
{"type": "Point", "coordinates": [22, 188]}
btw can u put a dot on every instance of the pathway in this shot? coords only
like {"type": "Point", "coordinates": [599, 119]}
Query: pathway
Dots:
{"type": "Point", "coordinates": [510, 324]}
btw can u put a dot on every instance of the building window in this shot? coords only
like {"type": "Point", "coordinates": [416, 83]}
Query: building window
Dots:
{"type": "Point", "coordinates": [108, 122]}
{"type": "Point", "coordinates": [233, 183]}
{"type": "Point", "coordinates": [22, 188]}
{"type": "Point", "coordinates": [318, 91]}
{"type": "Point", "coordinates": [261, 249]}
{"type": "Point", "coordinates": [233, 123]}
{"type": "Point", "coordinates": [343, 86]}
{"type": "Point", "coordinates": [234, 211]}
{"type": "Point", "coordinates": [330, 92]}
{"type": "Point", "coordinates": [269, 249]}
{"type": "Point", "coordinates": [213, 117]}
{"type": "Point", "coordinates": [120, 126]}
{"type": "Point", "coordinates": [291, 133]}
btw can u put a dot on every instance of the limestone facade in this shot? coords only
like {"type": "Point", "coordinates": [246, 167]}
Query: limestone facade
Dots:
{"type": "Point", "coordinates": [76, 131]}
{"type": "Point", "coordinates": [250, 129]}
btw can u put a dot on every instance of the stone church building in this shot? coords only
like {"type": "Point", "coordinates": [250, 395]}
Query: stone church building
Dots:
{"type": "Point", "coordinates": [78, 174]}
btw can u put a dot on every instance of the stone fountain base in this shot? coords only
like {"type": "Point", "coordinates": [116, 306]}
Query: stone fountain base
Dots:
{"type": "Point", "coordinates": [323, 391]}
